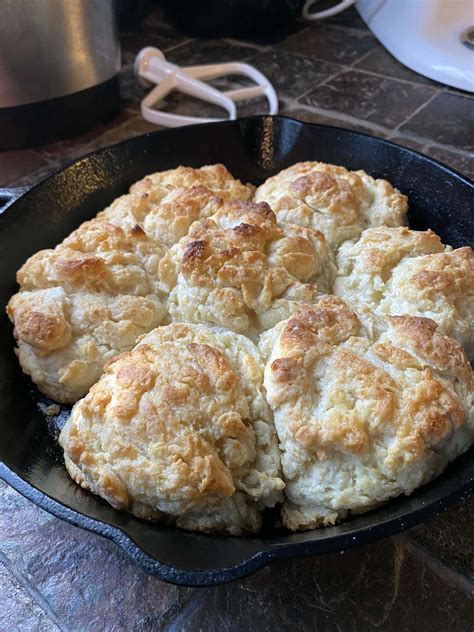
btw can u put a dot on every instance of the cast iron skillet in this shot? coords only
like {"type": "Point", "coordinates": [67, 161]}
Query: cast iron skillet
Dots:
{"type": "Point", "coordinates": [253, 149]}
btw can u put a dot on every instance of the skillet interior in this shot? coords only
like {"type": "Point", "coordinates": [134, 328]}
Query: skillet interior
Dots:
{"type": "Point", "coordinates": [252, 149]}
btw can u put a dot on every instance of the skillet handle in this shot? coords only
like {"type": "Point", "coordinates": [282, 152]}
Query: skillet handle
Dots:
{"type": "Point", "coordinates": [10, 195]}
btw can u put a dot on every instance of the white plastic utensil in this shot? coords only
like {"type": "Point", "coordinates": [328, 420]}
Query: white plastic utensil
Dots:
{"type": "Point", "coordinates": [327, 13]}
{"type": "Point", "coordinates": [151, 66]}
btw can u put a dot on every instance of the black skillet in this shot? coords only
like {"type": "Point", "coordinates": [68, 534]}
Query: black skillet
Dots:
{"type": "Point", "coordinates": [253, 149]}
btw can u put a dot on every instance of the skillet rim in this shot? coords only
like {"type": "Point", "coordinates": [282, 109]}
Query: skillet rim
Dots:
{"type": "Point", "coordinates": [337, 542]}
{"type": "Point", "coordinates": [24, 190]}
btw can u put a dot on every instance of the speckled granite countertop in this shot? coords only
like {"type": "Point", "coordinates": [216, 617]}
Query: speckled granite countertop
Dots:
{"type": "Point", "coordinates": [54, 576]}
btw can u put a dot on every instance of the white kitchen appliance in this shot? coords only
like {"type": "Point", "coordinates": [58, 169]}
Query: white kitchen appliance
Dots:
{"type": "Point", "coordinates": [432, 37]}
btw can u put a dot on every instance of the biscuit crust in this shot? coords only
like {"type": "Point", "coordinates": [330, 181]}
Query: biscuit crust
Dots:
{"type": "Point", "coordinates": [241, 270]}
{"type": "Point", "coordinates": [366, 408]}
{"type": "Point", "coordinates": [82, 303]}
{"type": "Point", "coordinates": [165, 204]}
{"type": "Point", "coordinates": [178, 430]}
{"type": "Point", "coordinates": [402, 271]}
{"type": "Point", "coordinates": [338, 202]}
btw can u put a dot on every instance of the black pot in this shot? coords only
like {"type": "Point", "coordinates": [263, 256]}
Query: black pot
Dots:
{"type": "Point", "coordinates": [231, 18]}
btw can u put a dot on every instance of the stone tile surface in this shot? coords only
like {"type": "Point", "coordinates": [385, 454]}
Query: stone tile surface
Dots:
{"type": "Point", "coordinates": [336, 45]}
{"type": "Point", "coordinates": [88, 583]}
{"type": "Point", "coordinates": [349, 18]}
{"type": "Point", "coordinates": [448, 119]}
{"type": "Point", "coordinates": [293, 75]}
{"type": "Point", "coordinates": [16, 163]}
{"type": "Point", "coordinates": [208, 51]}
{"type": "Point", "coordinates": [369, 98]}
{"type": "Point", "coordinates": [382, 63]}
{"type": "Point", "coordinates": [311, 116]}
{"type": "Point", "coordinates": [60, 150]}
{"type": "Point", "coordinates": [19, 609]}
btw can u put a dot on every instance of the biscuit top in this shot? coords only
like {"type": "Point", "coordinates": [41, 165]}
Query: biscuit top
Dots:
{"type": "Point", "coordinates": [242, 260]}
{"type": "Point", "coordinates": [174, 425]}
{"type": "Point", "coordinates": [170, 220]}
{"type": "Point", "coordinates": [165, 204]}
{"type": "Point", "coordinates": [98, 256]}
{"type": "Point", "coordinates": [449, 273]}
{"type": "Point", "coordinates": [216, 178]}
{"type": "Point", "coordinates": [332, 199]}
{"type": "Point", "coordinates": [382, 248]}
{"type": "Point", "coordinates": [401, 271]}
{"type": "Point", "coordinates": [388, 390]}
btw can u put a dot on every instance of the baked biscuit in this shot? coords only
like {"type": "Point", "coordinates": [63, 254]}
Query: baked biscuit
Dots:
{"type": "Point", "coordinates": [402, 271]}
{"type": "Point", "coordinates": [338, 202]}
{"type": "Point", "coordinates": [366, 408]}
{"type": "Point", "coordinates": [99, 257]}
{"type": "Point", "coordinates": [240, 270]}
{"type": "Point", "coordinates": [165, 204]}
{"type": "Point", "coordinates": [84, 302]}
{"type": "Point", "coordinates": [178, 431]}
{"type": "Point", "coordinates": [64, 339]}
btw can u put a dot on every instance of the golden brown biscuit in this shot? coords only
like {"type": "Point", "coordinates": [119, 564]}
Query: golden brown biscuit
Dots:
{"type": "Point", "coordinates": [365, 407]}
{"type": "Point", "coordinates": [402, 271]}
{"type": "Point", "coordinates": [64, 339]}
{"type": "Point", "coordinates": [98, 257]}
{"type": "Point", "coordinates": [240, 270]}
{"type": "Point", "coordinates": [82, 303]}
{"type": "Point", "coordinates": [338, 202]}
{"type": "Point", "coordinates": [178, 430]}
{"type": "Point", "coordinates": [165, 204]}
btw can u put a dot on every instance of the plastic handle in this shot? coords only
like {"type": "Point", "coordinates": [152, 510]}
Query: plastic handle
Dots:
{"type": "Point", "coordinates": [320, 15]}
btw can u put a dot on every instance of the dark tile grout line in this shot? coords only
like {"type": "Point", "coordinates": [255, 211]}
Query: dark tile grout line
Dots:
{"type": "Point", "coordinates": [190, 603]}
{"type": "Point", "coordinates": [356, 30]}
{"type": "Point", "coordinates": [175, 46]}
{"type": "Point", "coordinates": [341, 70]}
{"type": "Point", "coordinates": [396, 79]}
{"type": "Point", "coordinates": [434, 145]}
{"type": "Point", "coordinates": [352, 66]}
{"type": "Point", "coordinates": [359, 59]}
{"type": "Point", "coordinates": [33, 592]}
{"type": "Point", "coordinates": [342, 116]}
{"type": "Point", "coordinates": [339, 27]}
{"type": "Point", "coordinates": [417, 110]}
{"type": "Point", "coordinates": [258, 47]}
{"type": "Point", "coordinates": [268, 47]}
{"type": "Point", "coordinates": [437, 565]}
